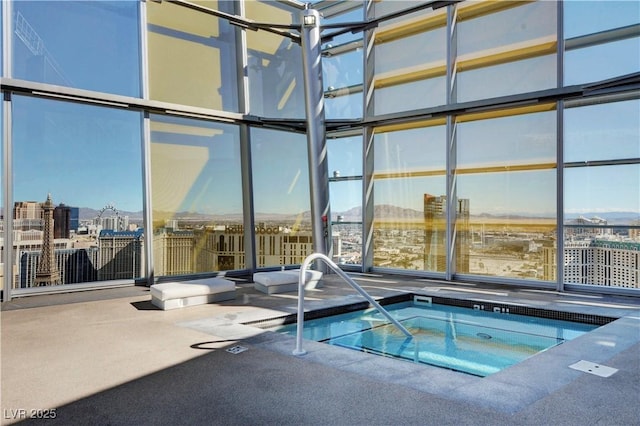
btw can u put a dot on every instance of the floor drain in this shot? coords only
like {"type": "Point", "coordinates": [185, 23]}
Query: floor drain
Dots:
{"type": "Point", "coordinates": [236, 349]}
{"type": "Point", "coordinates": [593, 368]}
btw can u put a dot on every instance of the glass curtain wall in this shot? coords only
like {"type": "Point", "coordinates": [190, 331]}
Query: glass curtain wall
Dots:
{"type": "Point", "coordinates": [601, 148]}
{"type": "Point", "coordinates": [505, 160]}
{"type": "Point", "coordinates": [498, 141]}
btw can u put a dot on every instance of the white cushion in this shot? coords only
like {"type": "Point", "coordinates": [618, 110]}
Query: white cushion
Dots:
{"type": "Point", "coordinates": [290, 276]}
{"type": "Point", "coordinates": [199, 287]}
{"type": "Point", "coordinates": [284, 281]}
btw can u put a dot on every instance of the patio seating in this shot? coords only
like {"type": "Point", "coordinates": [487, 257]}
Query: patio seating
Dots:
{"type": "Point", "coordinates": [284, 281]}
{"type": "Point", "coordinates": [180, 294]}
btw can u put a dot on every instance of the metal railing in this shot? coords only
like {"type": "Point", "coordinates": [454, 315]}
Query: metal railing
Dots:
{"type": "Point", "coordinates": [301, 281]}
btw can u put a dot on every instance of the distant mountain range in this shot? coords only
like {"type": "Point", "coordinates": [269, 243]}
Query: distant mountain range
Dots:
{"type": "Point", "coordinates": [384, 211]}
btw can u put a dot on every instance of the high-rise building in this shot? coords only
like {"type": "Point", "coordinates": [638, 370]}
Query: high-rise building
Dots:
{"type": "Point", "coordinates": [435, 219]}
{"type": "Point", "coordinates": [61, 221]}
{"type": "Point", "coordinates": [601, 262]}
{"type": "Point", "coordinates": [120, 254]}
{"type": "Point", "coordinates": [27, 210]}
{"type": "Point", "coordinates": [27, 215]}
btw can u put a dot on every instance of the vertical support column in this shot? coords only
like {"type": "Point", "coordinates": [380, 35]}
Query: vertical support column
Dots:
{"type": "Point", "coordinates": [316, 135]}
{"type": "Point", "coordinates": [242, 63]}
{"type": "Point", "coordinates": [250, 257]}
{"type": "Point", "coordinates": [368, 142]}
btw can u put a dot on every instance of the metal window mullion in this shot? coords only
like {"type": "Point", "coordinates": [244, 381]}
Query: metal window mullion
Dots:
{"type": "Point", "coordinates": [246, 168]}
{"type": "Point", "coordinates": [560, 152]}
{"type": "Point", "coordinates": [146, 198]}
{"type": "Point", "coordinates": [144, 50]}
{"type": "Point", "coordinates": [7, 27]}
{"type": "Point", "coordinates": [242, 64]}
{"type": "Point", "coordinates": [7, 199]}
{"type": "Point", "coordinates": [451, 145]}
{"type": "Point", "coordinates": [146, 148]}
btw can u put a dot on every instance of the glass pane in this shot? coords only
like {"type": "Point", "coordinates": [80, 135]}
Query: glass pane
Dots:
{"type": "Point", "coordinates": [411, 151]}
{"type": "Point", "coordinates": [192, 56]}
{"type": "Point", "coordinates": [409, 168]}
{"type": "Point", "coordinates": [346, 201]}
{"type": "Point", "coordinates": [344, 156]}
{"type": "Point", "coordinates": [196, 196]}
{"type": "Point", "coordinates": [506, 181]}
{"type": "Point", "coordinates": [602, 226]}
{"type": "Point", "coordinates": [78, 193]}
{"type": "Point", "coordinates": [98, 49]}
{"type": "Point", "coordinates": [281, 197]}
{"type": "Point", "coordinates": [354, 15]}
{"type": "Point", "coordinates": [343, 107]}
{"type": "Point", "coordinates": [512, 140]}
{"type": "Point", "coordinates": [342, 70]}
{"type": "Point", "coordinates": [410, 71]}
{"type": "Point", "coordinates": [589, 192]}
{"type": "Point", "coordinates": [508, 28]}
{"type": "Point", "coordinates": [423, 50]}
{"type": "Point", "coordinates": [346, 221]}
{"type": "Point", "coordinates": [602, 62]}
{"type": "Point", "coordinates": [387, 7]}
{"type": "Point", "coordinates": [608, 131]}
{"type": "Point", "coordinates": [528, 75]}
{"type": "Point", "coordinates": [401, 228]}
{"type": "Point", "coordinates": [586, 17]}
{"type": "Point", "coordinates": [276, 83]}
{"type": "Point", "coordinates": [507, 52]}
{"type": "Point", "coordinates": [511, 220]}
{"type": "Point", "coordinates": [406, 97]}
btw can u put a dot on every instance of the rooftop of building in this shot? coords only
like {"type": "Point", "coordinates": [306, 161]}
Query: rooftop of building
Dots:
{"type": "Point", "coordinates": [110, 357]}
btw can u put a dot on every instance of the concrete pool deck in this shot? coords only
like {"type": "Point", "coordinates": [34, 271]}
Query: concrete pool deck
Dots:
{"type": "Point", "coordinates": [110, 357]}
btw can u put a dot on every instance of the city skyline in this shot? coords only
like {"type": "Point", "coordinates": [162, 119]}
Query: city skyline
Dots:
{"type": "Point", "coordinates": [88, 213]}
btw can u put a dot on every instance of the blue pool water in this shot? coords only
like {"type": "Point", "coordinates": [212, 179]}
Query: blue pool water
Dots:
{"type": "Point", "coordinates": [466, 340]}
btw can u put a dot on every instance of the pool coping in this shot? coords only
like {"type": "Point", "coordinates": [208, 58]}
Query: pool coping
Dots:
{"type": "Point", "coordinates": [508, 391]}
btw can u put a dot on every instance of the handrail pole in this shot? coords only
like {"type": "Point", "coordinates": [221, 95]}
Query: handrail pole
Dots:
{"type": "Point", "coordinates": [301, 279]}
{"type": "Point", "coordinates": [300, 319]}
